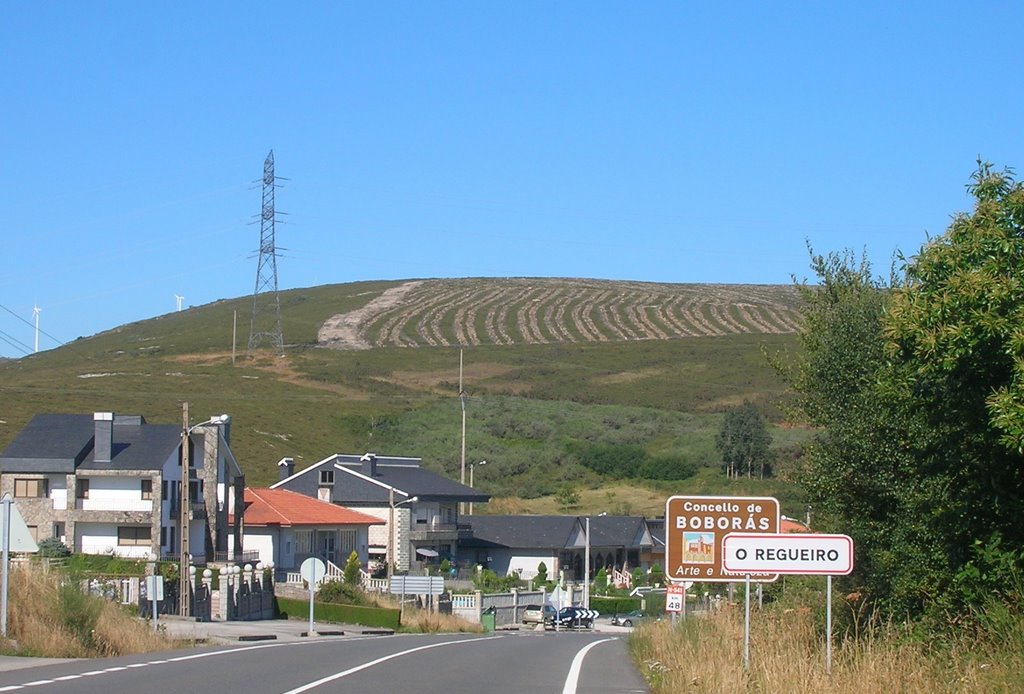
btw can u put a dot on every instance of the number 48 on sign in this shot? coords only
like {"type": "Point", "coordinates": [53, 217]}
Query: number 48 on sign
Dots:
{"type": "Point", "coordinates": [674, 596]}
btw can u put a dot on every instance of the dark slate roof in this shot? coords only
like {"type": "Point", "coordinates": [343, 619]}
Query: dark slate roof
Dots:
{"type": "Point", "coordinates": [619, 531]}
{"type": "Point", "coordinates": [523, 532]}
{"type": "Point", "coordinates": [557, 532]}
{"type": "Point", "coordinates": [64, 442]}
{"type": "Point", "coordinates": [354, 485]}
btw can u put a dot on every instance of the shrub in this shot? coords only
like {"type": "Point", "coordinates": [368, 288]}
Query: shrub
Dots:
{"type": "Point", "coordinates": [352, 568]}
{"type": "Point", "coordinates": [340, 592]}
{"type": "Point", "coordinates": [52, 548]}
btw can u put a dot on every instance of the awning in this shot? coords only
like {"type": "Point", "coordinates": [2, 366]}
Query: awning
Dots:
{"type": "Point", "coordinates": [426, 552]}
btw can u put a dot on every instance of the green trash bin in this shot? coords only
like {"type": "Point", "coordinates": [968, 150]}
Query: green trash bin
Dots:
{"type": "Point", "coordinates": [487, 619]}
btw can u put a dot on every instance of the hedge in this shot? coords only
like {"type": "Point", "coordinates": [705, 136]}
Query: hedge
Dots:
{"type": "Point", "coordinates": [610, 606]}
{"type": "Point", "coordinates": [340, 614]}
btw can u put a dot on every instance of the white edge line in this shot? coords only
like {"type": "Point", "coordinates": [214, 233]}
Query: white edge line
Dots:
{"type": "Point", "coordinates": [378, 661]}
{"type": "Point", "coordinates": [572, 679]}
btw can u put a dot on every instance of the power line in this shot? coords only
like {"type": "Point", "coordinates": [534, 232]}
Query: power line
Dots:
{"type": "Point", "coordinates": [11, 340]}
{"type": "Point", "coordinates": [31, 325]}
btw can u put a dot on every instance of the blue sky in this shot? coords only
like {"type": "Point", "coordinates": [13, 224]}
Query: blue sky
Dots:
{"type": "Point", "coordinates": [669, 142]}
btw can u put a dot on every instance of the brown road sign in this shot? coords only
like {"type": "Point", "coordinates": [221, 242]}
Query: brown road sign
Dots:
{"type": "Point", "coordinates": [696, 525]}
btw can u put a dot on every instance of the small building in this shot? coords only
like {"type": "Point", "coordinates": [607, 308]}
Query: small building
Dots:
{"type": "Point", "coordinates": [419, 507]}
{"type": "Point", "coordinates": [287, 528]}
{"type": "Point", "coordinates": [517, 544]}
{"type": "Point", "coordinates": [112, 484]}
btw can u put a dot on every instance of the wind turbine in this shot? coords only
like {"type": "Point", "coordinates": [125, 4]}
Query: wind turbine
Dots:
{"type": "Point", "coordinates": [35, 314]}
{"type": "Point", "coordinates": [179, 299]}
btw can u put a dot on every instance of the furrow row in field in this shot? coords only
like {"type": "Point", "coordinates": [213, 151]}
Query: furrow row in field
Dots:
{"type": "Point", "coordinates": [440, 313]}
{"type": "Point", "coordinates": [466, 316]}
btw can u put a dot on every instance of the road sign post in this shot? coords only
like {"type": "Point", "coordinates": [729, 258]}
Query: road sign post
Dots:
{"type": "Point", "coordinates": [312, 570]}
{"type": "Point", "coordinates": [790, 553]}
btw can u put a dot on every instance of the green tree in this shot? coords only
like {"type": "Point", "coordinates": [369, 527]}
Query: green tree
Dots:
{"type": "Point", "coordinates": [956, 334]}
{"type": "Point", "coordinates": [351, 570]}
{"type": "Point", "coordinates": [568, 498]}
{"type": "Point", "coordinates": [542, 573]}
{"type": "Point", "coordinates": [601, 581]}
{"type": "Point", "coordinates": [917, 390]}
{"type": "Point", "coordinates": [744, 441]}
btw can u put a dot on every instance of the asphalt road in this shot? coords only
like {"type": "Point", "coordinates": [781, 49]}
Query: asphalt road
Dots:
{"type": "Point", "coordinates": [510, 663]}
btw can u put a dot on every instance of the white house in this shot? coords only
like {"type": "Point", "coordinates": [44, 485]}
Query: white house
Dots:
{"type": "Point", "coordinates": [112, 484]}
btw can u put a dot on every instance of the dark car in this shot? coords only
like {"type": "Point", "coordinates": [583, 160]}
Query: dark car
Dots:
{"type": "Point", "coordinates": [573, 618]}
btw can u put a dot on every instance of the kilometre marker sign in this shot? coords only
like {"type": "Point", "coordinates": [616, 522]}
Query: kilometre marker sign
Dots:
{"type": "Point", "coordinates": [788, 553]}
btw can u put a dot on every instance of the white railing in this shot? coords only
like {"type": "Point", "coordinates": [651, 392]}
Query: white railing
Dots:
{"type": "Point", "coordinates": [140, 505]}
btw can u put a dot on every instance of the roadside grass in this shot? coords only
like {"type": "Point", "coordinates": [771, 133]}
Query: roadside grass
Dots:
{"type": "Point", "coordinates": [787, 654]}
{"type": "Point", "coordinates": [424, 622]}
{"type": "Point", "coordinates": [49, 617]}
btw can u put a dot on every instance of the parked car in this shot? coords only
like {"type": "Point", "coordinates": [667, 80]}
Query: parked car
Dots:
{"type": "Point", "coordinates": [535, 614]}
{"type": "Point", "coordinates": [633, 618]}
{"type": "Point", "coordinates": [573, 617]}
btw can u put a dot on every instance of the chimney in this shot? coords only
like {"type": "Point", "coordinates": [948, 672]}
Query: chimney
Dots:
{"type": "Point", "coordinates": [369, 464]}
{"type": "Point", "coordinates": [103, 439]}
{"type": "Point", "coordinates": [285, 468]}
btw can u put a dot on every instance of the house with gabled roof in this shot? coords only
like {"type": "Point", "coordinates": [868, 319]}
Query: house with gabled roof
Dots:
{"type": "Point", "coordinates": [419, 507]}
{"type": "Point", "coordinates": [287, 528]}
{"type": "Point", "coordinates": [517, 544]}
{"type": "Point", "coordinates": [112, 484]}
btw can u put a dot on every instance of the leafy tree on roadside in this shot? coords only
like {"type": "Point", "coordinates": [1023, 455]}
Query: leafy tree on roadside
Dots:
{"type": "Point", "coordinates": [917, 389]}
{"type": "Point", "coordinates": [744, 441]}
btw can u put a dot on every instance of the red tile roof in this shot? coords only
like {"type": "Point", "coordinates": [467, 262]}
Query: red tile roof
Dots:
{"type": "Point", "coordinates": [791, 525]}
{"type": "Point", "coordinates": [281, 507]}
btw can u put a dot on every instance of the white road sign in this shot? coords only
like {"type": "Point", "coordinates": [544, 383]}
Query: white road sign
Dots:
{"type": "Point", "coordinates": [19, 538]}
{"type": "Point", "coordinates": [674, 596]}
{"type": "Point", "coordinates": [788, 553]}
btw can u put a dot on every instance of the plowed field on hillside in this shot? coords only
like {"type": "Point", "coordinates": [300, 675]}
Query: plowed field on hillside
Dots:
{"type": "Point", "coordinates": [518, 311]}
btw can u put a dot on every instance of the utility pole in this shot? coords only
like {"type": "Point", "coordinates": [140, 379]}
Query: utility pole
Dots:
{"type": "Point", "coordinates": [186, 503]}
{"type": "Point", "coordinates": [462, 399]}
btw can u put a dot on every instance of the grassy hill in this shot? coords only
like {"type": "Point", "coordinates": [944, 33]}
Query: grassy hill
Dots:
{"type": "Point", "coordinates": [548, 365]}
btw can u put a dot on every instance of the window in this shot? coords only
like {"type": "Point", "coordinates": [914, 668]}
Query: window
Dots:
{"type": "Point", "coordinates": [304, 541]}
{"type": "Point", "coordinates": [163, 536]}
{"type": "Point", "coordinates": [82, 489]}
{"type": "Point", "coordinates": [31, 488]}
{"type": "Point", "coordinates": [131, 536]}
{"type": "Point", "coordinates": [147, 489]}
{"type": "Point", "coordinates": [327, 478]}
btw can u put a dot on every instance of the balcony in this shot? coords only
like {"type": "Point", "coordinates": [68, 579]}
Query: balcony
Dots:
{"type": "Point", "coordinates": [428, 532]}
{"type": "Point", "coordinates": [135, 505]}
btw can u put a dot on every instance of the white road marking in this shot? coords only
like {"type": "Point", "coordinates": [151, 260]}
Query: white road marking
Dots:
{"type": "Point", "coordinates": [378, 661]}
{"type": "Point", "coordinates": [577, 665]}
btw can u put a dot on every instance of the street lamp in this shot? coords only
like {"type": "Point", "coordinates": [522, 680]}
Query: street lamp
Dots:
{"type": "Point", "coordinates": [471, 466]}
{"type": "Point", "coordinates": [391, 526]}
{"type": "Point", "coordinates": [186, 504]}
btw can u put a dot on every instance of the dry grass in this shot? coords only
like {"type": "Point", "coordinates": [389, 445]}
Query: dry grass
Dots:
{"type": "Point", "coordinates": [48, 619]}
{"type": "Point", "coordinates": [788, 655]}
{"type": "Point", "coordinates": [421, 621]}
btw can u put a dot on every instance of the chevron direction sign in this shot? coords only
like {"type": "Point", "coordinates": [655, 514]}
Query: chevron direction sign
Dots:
{"type": "Point", "coordinates": [788, 553]}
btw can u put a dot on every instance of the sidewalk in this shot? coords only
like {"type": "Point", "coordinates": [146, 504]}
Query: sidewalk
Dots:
{"type": "Point", "coordinates": [220, 633]}
{"type": "Point", "coordinates": [183, 629]}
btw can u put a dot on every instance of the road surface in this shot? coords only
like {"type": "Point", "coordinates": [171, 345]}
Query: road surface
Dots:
{"type": "Point", "coordinates": [536, 662]}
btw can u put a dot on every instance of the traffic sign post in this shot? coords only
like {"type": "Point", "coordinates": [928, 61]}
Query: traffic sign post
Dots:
{"type": "Point", "coordinates": [696, 525]}
{"type": "Point", "coordinates": [789, 553]}
{"type": "Point", "coordinates": [313, 571]}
